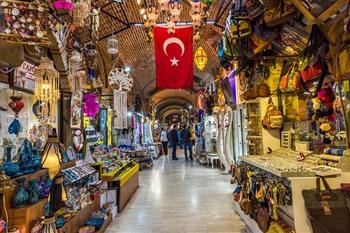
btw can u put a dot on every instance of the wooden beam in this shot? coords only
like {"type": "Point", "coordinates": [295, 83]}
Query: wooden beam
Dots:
{"type": "Point", "coordinates": [301, 7]}
{"type": "Point", "coordinates": [331, 10]}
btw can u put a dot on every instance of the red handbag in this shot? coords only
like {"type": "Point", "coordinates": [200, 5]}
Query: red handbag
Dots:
{"type": "Point", "coordinates": [311, 72]}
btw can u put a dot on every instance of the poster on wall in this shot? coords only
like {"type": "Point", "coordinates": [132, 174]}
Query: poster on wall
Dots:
{"type": "Point", "coordinates": [23, 77]}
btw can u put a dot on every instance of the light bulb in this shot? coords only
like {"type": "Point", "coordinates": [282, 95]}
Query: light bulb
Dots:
{"type": "Point", "coordinates": [142, 11]}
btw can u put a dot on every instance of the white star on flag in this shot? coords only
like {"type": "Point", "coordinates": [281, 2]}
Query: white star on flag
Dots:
{"type": "Point", "coordinates": [174, 62]}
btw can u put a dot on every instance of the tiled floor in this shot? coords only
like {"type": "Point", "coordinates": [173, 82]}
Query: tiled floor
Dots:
{"type": "Point", "coordinates": [180, 196]}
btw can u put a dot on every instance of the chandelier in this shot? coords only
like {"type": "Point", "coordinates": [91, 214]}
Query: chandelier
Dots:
{"type": "Point", "coordinates": [175, 9]}
{"type": "Point", "coordinates": [80, 12]}
{"type": "Point", "coordinates": [152, 13]}
{"type": "Point", "coordinates": [46, 89]}
{"type": "Point", "coordinates": [163, 4]}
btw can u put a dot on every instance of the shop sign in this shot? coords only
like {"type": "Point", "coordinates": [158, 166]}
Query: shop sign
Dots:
{"type": "Point", "coordinates": [23, 77]}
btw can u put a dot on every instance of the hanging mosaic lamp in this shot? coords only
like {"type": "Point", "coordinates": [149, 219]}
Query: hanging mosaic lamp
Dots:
{"type": "Point", "coordinates": [63, 5]}
{"type": "Point", "coordinates": [112, 45]}
{"type": "Point", "coordinates": [200, 58]}
{"type": "Point", "coordinates": [46, 88]}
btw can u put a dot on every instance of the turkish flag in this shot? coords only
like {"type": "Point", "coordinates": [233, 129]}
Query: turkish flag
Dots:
{"type": "Point", "coordinates": [174, 57]}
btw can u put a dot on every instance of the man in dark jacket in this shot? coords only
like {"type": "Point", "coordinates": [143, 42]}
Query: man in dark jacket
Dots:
{"type": "Point", "coordinates": [186, 138]}
{"type": "Point", "coordinates": [174, 140]}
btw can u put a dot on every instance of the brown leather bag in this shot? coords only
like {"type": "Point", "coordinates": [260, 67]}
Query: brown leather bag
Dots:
{"type": "Point", "coordinates": [273, 118]}
{"type": "Point", "coordinates": [263, 90]}
{"type": "Point", "coordinates": [246, 204]}
{"type": "Point", "coordinates": [263, 219]}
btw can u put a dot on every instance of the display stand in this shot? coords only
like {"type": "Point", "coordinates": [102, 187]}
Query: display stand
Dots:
{"type": "Point", "coordinates": [296, 215]}
{"type": "Point", "coordinates": [127, 187]}
{"type": "Point", "coordinates": [78, 220]}
{"type": "Point", "coordinates": [22, 217]}
{"type": "Point", "coordinates": [125, 183]}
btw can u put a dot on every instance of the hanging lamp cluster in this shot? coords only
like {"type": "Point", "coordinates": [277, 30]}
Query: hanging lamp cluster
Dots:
{"type": "Point", "coordinates": [172, 9]}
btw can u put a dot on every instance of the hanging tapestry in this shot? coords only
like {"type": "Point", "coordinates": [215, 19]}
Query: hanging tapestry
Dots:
{"type": "Point", "coordinates": [121, 110]}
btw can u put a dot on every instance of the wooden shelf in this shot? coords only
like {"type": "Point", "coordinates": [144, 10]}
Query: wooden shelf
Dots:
{"type": "Point", "coordinates": [22, 217]}
{"type": "Point", "coordinates": [105, 224]}
{"type": "Point", "coordinates": [77, 221]}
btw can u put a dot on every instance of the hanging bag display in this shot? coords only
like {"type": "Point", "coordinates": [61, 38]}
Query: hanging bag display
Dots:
{"type": "Point", "coordinates": [287, 80]}
{"type": "Point", "coordinates": [273, 118]}
{"type": "Point", "coordinates": [279, 14]}
{"type": "Point", "coordinates": [263, 219]}
{"type": "Point", "coordinates": [327, 209]}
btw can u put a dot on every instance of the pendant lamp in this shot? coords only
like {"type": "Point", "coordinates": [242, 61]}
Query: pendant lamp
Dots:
{"type": "Point", "coordinates": [51, 155]}
{"type": "Point", "coordinates": [112, 45]}
{"type": "Point", "coordinates": [200, 58]}
{"type": "Point", "coordinates": [46, 88]}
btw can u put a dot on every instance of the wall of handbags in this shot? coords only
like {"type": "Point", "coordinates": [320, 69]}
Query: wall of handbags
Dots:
{"type": "Point", "coordinates": [259, 194]}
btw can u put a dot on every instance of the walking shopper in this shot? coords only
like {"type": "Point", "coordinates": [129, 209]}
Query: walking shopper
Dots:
{"type": "Point", "coordinates": [186, 139]}
{"type": "Point", "coordinates": [174, 140]}
{"type": "Point", "coordinates": [164, 141]}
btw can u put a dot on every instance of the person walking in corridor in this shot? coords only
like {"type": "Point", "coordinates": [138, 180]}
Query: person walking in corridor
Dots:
{"type": "Point", "coordinates": [164, 141]}
{"type": "Point", "coordinates": [174, 140]}
{"type": "Point", "coordinates": [186, 139]}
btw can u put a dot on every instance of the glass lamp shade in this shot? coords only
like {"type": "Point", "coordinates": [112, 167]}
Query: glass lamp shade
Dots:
{"type": "Point", "coordinates": [51, 156]}
{"type": "Point", "coordinates": [200, 58]}
{"type": "Point", "coordinates": [63, 5]}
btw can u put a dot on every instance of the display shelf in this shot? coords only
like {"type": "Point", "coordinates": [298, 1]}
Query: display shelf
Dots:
{"type": "Point", "coordinates": [256, 162]}
{"type": "Point", "coordinates": [128, 174]}
{"type": "Point", "coordinates": [22, 217]}
{"type": "Point", "coordinates": [129, 187]}
{"type": "Point", "coordinates": [111, 175]}
{"type": "Point", "coordinates": [77, 221]}
{"type": "Point", "coordinates": [30, 176]}
{"type": "Point", "coordinates": [105, 224]}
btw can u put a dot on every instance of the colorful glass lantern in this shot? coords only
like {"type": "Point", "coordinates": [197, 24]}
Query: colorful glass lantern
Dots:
{"type": "Point", "coordinates": [200, 58]}
{"type": "Point", "coordinates": [47, 88]}
{"type": "Point", "coordinates": [112, 46]}
{"type": "Point", "coordinates": [63, 5]}
{"type": "Point", "coordinates": [51, 155]}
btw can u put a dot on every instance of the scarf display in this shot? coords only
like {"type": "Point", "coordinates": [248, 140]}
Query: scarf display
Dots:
{"type": "Point", "coordinates": [121, 110]}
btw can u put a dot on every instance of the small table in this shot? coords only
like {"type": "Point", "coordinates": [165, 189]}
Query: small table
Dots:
{"type": "Point", "coordinates": [211, 157]}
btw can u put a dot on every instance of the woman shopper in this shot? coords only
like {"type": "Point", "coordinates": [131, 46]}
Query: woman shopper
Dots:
{"type": "Point", "coordinates": [164, 140]}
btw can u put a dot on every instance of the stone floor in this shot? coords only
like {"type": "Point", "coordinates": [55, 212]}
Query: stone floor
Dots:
{"type": "Point", "coordinates": [180, 196]}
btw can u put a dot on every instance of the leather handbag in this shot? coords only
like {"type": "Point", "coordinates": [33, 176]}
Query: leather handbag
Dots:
{"type": "Point", "coordinates": [263, 219]}
{"type": "Point", "coordinates": [280, 227]}
{"type": "Point", "coordinates": [263, 90]}
{"type": "Point", "coordinates": [327, 209]}
{"type": "Point", "coordinates": [279, 14]}
{"type": "Point", "coordinates": [286, 82]}
{"type": "Point", "coordinates": [270, 4]}
{"type": "Point", "coordinates": [273, 118]}
{"type": "Point", "coordinates": [246, 203]}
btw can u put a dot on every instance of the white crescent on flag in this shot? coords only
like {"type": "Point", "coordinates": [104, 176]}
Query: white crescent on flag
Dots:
{"type": "Point", "coordinates": [173, 40]}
